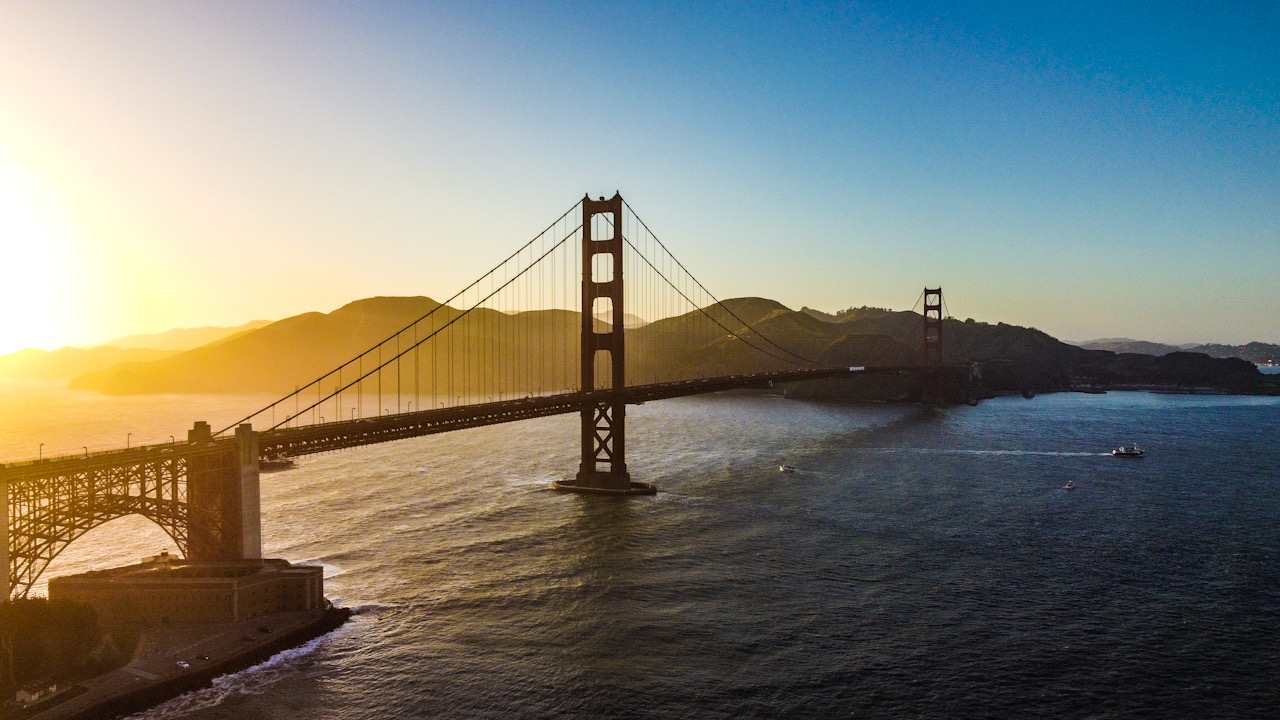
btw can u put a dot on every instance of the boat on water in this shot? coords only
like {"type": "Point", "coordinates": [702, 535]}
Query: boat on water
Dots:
{"type": "Point", "coordinates": [1071, 485]}
{"type": "Point", "coordinates": [786, 468]}
{"type": "Point", "coordinates": [1129, 452]}
{"type": "Point", "coordinates": [275, 463]}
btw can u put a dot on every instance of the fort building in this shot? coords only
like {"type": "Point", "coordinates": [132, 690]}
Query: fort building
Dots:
{"type": "Point", "coordinates": [166, 589]}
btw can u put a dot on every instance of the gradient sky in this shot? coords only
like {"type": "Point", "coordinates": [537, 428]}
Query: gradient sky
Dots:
{"type": "Point", "coordinates": [1091, 169]}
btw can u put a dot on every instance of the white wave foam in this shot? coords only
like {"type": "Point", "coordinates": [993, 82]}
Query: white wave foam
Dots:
{"type": "Point", "coordinates": [254, 680]}
{"type": "Point", "coordinates": [372, 609]}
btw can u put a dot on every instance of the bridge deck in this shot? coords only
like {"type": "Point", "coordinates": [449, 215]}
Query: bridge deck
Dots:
{"type": "Point", "coordinates": [354, 433]}
{"type": "Point", "coordinates": [325, 437]}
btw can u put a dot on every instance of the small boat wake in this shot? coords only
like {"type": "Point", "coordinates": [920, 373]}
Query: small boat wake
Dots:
{"type": "Point", "coordinates": [956, 451]}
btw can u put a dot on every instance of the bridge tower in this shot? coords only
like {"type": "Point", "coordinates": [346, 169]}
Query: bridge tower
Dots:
{"type": "Point", "coordinates": [604, 417]}
{"type": "Point", "coordinates": [932, 326]}
{"type": "Point", "coordinates": [224, 520]}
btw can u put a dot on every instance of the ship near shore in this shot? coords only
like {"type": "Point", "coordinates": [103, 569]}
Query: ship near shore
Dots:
{"type": "Point", "coordinates": [194, 621]}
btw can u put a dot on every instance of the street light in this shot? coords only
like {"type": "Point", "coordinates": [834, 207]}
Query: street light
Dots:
{"type": "Point", "coordinates": [86, 450]}
{"type": "Point", "coordinates": [40, 456]}
{"type": "Point", "coordinates": [127, 438]}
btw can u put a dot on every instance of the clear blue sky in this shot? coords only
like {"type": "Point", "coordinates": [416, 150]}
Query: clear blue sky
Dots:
{"type": "Point", "coordinates": [1091, 169]}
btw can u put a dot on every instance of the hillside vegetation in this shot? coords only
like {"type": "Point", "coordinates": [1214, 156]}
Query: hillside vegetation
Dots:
{"type": "Point", "coordinates": [60, 640]}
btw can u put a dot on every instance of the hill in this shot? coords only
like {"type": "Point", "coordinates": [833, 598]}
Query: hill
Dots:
{"type": "Point", "coordinates": [1017, 358]}
{"type": "Point", "coordinates": [1255, 352]}
{"type": "Point", "coordinates": [629, 321]}
{"type": "Point", "coordinates": [69, 362]}
{"type": "Point", "coordinates": [179, 339]}
{"type": "Point", "coordinates": [1125, 345]}
{"type": "Point", "coordinates": [541, 352]}
{"type": "Point", "coordinates": [294, 351]}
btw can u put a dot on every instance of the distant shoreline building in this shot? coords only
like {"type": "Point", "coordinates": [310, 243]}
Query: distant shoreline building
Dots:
{"type": "Point", "coordinates": [166, 589]}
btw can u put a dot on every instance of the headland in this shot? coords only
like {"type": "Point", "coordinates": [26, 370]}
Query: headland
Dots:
{"type": "Point", "coordinates": [194, 622]}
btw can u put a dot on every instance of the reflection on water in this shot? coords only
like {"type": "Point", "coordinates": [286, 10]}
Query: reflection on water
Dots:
{"type": "Point", "coordinates": [36, 412]}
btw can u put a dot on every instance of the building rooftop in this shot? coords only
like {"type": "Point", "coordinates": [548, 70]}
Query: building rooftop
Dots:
{"type": "Point", "coordinates": [169, 567]}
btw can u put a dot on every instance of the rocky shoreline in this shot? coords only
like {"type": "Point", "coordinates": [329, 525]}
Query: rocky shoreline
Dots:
{"type": "Point", "coordinates": [172, 660]}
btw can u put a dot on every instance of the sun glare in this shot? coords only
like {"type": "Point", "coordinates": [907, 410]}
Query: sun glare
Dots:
{"type": "Point", "coordinates": [35, 287]}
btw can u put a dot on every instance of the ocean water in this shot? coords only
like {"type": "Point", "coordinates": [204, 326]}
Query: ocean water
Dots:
{"type": "Point", "coordinates": [920, 563]}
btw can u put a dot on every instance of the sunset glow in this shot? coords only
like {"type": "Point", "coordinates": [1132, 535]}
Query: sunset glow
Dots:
{"type": "Point", "coordinates": [208, 164]}
{"type": "Point", "coordinates": [39, 292]}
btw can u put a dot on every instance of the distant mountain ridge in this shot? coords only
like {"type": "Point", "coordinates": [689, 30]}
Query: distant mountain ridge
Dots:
{"type": "Point", "coordinates": [748, 335]}
{"type": "Point", "coordinates": [1255, 352]}
{"type": "Point", "coordinates": [179, 339]}
{"type": "Point", "coordinates": [629, 321]}
{"type": "Point", "coordinates": [297, 350]}
{"type": "Point", "coordinates": [69, 362]}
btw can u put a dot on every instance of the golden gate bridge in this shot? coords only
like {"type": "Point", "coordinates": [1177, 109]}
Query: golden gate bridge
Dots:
{"type": "Point", "coordinates": [550, 330]}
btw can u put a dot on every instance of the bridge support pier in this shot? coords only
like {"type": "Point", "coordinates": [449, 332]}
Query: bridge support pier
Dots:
{"type": "Point", "coordinates": [603, 469]}
{"type": "Point", "coordinates": [4, 541]}
{"type": "Point", "coordinates": [225, 521]}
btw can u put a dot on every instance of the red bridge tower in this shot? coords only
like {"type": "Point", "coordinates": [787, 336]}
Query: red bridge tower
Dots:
{"type": "Point", "coordinates": [604, 418]}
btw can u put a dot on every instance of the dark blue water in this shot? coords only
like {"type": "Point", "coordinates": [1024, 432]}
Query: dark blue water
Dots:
{"type": "Point", "coordinates": [921, 563]}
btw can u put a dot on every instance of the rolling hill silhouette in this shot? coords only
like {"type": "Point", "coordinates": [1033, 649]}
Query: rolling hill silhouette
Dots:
{"type": "Point", "coordinates": [540, 352]}
{"type": "Point", "coordinates": [542, 348]}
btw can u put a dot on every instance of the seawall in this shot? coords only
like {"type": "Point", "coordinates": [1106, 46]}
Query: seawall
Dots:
{"type": "Point", "coordinates": [157, 672]}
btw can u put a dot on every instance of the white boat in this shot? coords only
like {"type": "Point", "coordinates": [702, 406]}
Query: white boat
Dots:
{"type": "Point", "coordinates": [1133, 452]}
{"type": "Point", "coordinates": [786, 468]}
{"type": "Point", "coordinates": [1071, 485]}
